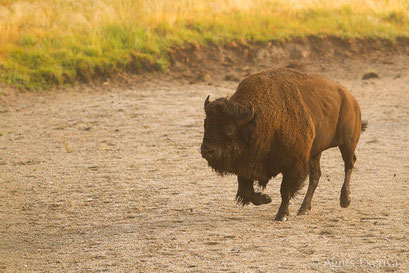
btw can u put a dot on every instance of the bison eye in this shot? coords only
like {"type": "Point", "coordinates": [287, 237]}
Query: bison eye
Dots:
{"type": "Point", "coordinates": [229, 130]}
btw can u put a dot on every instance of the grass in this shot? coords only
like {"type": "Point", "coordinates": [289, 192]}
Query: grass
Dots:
{"type": "Point", "coordinates": [48, 43]}
{"type": "Point", "coordinates": [370, 74]}
{"type": "Point", "coordinates": [67, 148]}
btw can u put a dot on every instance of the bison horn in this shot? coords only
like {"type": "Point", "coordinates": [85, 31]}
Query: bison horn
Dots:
{"type": "Point", "coordinates": [207, 101]}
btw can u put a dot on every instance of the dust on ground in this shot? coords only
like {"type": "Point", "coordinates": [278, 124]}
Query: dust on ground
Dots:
{"type": "Point", "coordinates": [112, 180]}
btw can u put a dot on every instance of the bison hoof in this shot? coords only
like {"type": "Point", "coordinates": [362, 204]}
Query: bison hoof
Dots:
{"type": "Point", "coordinates": [345, 201]}
{"type": "Point", "coordinates": [303, 212]}
{"type": "Point", "coordinates": [279, 218]}
{"type": "Point", "coordinates": [260, 199]}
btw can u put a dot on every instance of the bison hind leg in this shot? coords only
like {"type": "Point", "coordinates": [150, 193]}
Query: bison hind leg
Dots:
{"type": "Point", "coordinates": [349, 157]}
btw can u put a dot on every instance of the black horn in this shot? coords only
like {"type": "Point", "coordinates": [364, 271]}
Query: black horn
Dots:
{"type": "Point", "coordinates": [207, 101]}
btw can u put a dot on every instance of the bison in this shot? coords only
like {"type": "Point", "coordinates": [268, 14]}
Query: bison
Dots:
{"type": "Point", "coordinates": [280, 121]}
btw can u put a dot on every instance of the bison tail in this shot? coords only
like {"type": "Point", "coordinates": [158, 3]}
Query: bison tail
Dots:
{"type": "Point", "coordinates": [364, 125]}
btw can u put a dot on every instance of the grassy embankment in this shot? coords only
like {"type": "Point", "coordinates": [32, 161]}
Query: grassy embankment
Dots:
{"type": "Point", "coordinates": [45, 43]}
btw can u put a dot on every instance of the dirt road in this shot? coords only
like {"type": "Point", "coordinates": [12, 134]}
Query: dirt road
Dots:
{"type": "Point", "coordinates": [112, 180]}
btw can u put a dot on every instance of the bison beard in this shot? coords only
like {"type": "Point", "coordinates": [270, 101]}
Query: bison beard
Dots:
{"type": "Point", "coordinates": [280, 121]}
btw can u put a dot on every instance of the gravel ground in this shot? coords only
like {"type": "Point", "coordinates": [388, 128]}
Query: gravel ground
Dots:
{"type": "Point", "coordinates": [112, 180]}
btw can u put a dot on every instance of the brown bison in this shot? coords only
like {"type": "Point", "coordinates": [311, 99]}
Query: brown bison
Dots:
{"type": "Point", "coordinates": [280, 121]}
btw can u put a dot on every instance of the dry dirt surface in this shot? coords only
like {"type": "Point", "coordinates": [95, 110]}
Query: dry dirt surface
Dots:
{"type": "Point", "coordinates": [110, 179]}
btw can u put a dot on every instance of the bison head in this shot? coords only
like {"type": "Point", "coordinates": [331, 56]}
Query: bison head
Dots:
{"type": "Point", "coordinates": [227, 131]}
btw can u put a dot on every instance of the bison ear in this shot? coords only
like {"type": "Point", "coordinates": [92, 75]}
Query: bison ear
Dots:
{"type": "Point", "coordinates": [207, 101]}
{"type": "Point", "coordinates": [242, 114]}
{"type": "Point", "coordinates": [248, 115]}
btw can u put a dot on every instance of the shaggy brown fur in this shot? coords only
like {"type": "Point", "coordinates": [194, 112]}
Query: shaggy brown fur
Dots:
{"type": "Point", "coordinates": [279, 121]}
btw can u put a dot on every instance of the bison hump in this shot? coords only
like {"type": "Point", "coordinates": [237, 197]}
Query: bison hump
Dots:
{"type": "Point", "coordinates": [280, 109]}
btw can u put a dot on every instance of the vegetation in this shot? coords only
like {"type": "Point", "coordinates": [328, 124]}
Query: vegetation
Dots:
{"type": "Point", "coordinates": [52, 42]}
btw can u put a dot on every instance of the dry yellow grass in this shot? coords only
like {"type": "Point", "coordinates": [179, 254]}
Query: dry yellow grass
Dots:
{"type": "Point", "coordinates": [60, 41]}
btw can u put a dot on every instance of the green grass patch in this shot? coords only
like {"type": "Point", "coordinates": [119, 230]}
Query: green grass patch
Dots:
{"type": "Point", "coordinates": [69, 41]}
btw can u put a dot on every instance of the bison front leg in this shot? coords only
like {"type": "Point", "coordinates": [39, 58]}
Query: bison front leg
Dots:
{"type": "Point", "coordinates": [246, 194]}
{"type": "Point", "coordinates": [292, 182]}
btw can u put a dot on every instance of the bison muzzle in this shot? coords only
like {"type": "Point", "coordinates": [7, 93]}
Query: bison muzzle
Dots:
{"type": "Point", "coordinates": [280, 121]}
